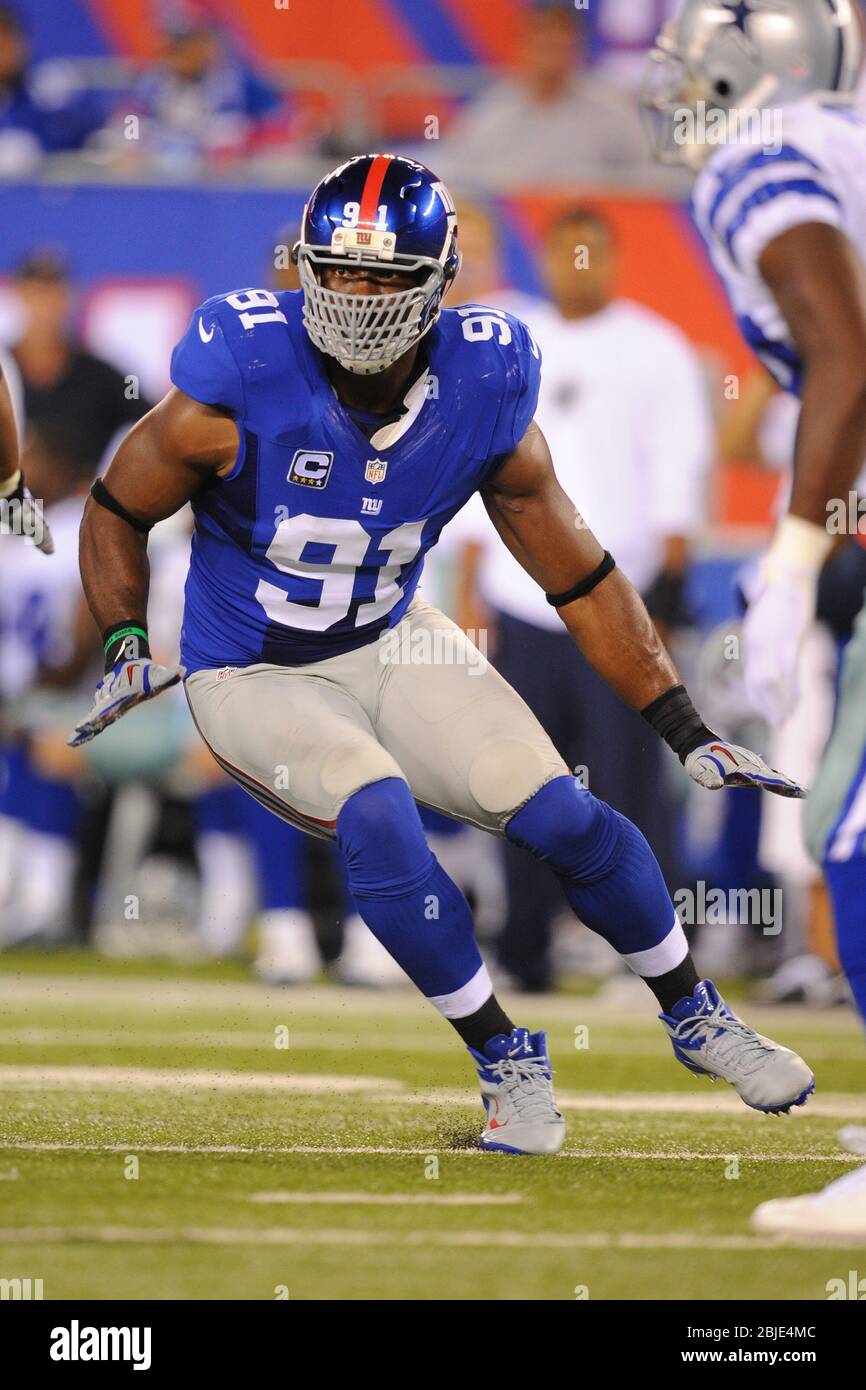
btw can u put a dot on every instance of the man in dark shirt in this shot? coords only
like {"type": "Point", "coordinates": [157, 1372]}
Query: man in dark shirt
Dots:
{"type": "Point", "coordinates": [67, 390]}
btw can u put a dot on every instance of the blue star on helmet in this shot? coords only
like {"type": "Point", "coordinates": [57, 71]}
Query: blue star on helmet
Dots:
{"type": "Point", "coordinates": [740, 11]}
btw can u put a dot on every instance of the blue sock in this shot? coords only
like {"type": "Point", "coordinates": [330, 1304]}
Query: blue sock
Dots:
{"type": "Point", "coordinates": [608, 871]}
{"type": "Point", "coordinates": [846, 880]}
{"type": "Point", "coordinates": [219, 809]}
{"type": "Point", "coordinates": [280, 852]}
{"type": "Point", "coordinates": [407, 900]}
{"type": "Point", "coordinates": [51, 807]}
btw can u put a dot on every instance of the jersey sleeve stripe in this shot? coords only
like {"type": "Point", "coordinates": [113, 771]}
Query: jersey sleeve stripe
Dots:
{"type": "Point", "coordinates": [804, 188]}
{"type": "Point", "coordinates": [785, 154]}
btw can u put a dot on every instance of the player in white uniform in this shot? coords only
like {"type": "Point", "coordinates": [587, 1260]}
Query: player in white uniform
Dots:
{"type": "Point", "coordinates": [781, 205]}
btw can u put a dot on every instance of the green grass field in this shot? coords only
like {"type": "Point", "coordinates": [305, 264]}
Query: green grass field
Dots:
{"type": "Point", "coordinates": [158, 1139]}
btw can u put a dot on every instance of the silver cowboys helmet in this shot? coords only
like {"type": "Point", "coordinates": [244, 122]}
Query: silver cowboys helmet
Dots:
{"type": "Point", "coordinates": [746, 55]}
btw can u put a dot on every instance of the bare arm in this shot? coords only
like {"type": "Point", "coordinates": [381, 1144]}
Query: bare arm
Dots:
{"type": "Point", "coordinates": [160, 464]}
{"type": "Point", "coordinates": [818, 283]}
{"type": "Point", "coordinates": [741, 423]}
{"type": "Point", "coordinates": [546, 534]}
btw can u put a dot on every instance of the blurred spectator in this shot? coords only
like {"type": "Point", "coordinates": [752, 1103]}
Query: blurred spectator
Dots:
{"type": "Point", "coordinates": [552, 122]}
{"type": "Point", "coordinates": [43, 108]}
{"type": "Point", "coordinates": [42, 638]}
{"type": "Point", "coordinates": [67, 389]}
{"type": "Point", "coordinates": [482, 278]}
{"type": "Point", "coordinates": [627, 418]}
{"type": "Point", "coordinates": [200, 101]}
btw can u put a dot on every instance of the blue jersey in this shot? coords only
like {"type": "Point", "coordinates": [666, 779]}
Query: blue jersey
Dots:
{"type": "Point", "coordinates": [314, 543]}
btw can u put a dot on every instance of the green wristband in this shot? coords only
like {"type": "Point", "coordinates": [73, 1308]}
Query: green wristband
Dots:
{"type": "Point", "coordinates": [125, 632]}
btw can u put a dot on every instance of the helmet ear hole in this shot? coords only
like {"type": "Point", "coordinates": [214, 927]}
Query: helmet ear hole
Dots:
{"type": "Point", "coordinates": [722, 87]}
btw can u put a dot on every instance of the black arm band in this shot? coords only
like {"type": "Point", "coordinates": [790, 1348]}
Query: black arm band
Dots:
{"type": "Point", "coordinates": [584, 586]}
{"type": "Point", "coordinates": [675, 719]}
{"type": "Point", "coordinates": [99, 492]}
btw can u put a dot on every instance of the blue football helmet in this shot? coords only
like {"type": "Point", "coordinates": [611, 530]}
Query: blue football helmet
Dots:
{"type": "Point", "coordinates": [385, 213]}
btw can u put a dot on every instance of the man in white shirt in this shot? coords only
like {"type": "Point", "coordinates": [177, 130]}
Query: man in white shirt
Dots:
{"type": "Point", "coordinates": [625, 409]}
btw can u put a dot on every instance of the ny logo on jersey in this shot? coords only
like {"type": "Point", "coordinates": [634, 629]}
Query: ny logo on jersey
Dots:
{"type": "Point", "coordinates": [371, 506]}
{"type": "Point", "coordinates": [375, 470]}
{"type": "Point", "coordinates": [310, 467]}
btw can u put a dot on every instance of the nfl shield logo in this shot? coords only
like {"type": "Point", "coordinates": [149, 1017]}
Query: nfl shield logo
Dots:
{"type": "Point", "coordinates": [375, 470]}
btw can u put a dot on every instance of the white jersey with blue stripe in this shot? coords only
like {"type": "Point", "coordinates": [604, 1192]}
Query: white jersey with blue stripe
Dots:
{"type": "Point", "coordinates": [747, 194]}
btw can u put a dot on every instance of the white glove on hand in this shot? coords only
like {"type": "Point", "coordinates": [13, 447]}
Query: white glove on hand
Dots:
{"type": "Point", "coordinates": [122, 688]}
{"type": "Point", "coordinates": [721, 764]}
{"type": "Point", "coordinates": [779, 614]}
{"type": "Point", "coordinates": [31, 522]}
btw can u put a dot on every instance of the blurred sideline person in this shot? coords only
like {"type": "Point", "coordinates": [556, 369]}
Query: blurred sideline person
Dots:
{"type": "Point", "coordinates": [784, 218]}
{"type": "Point", "coordinates": [321, 469]}
{"type": "Point", "coordinates": [43, 108]}
{"type": "Point", "coordinates": [18, 511]}
{"type": "Point", "coordinates": [553, 121]}
{"type": "Point", "coordinates": [201, 103]}
{"type": "Point", "coordinates": [40, 623]}
{"type": "Point", "coordinates": [65, 387]}
{"type": "Point", "coordinates": [624, 406]}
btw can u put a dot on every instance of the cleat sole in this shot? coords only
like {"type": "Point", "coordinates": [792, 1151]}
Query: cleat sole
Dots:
{"type": "Point", "coordinates": [783, 1109]}
{"type": "Point", "coordinates": [508, 1149]}
{"type": "Point", "coordinates": [788, 1106]}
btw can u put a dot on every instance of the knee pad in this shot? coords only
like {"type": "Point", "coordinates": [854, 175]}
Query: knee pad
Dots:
{"type": "Point", "coordinates": [505, 772]}
{"type": "Point", "coordinates": [382, 841]}
{"type": "Point", "coordinates": [570, 829]}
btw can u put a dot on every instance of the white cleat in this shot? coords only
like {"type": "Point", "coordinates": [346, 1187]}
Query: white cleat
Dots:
{"type": "Point", "coordinates": [364, 962]}
{"type": "Point", "coordinates": [838, 1212]}
{"type": "Point", "coordinates": [517, 1091]}
{"type": "Point", "coordinates": [708, 1038]}
{"type": "Point", "coordinates": [288, 950]}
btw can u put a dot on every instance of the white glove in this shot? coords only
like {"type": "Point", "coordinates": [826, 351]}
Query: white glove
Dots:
{"type": "Point", "coordinates": [32, 521]}
{"type": "Point", "coordinates": [122, 688]}
{"type": "Point", "coordinates": [720, 764]}
{"type": "Point", "coordinates": [781, 610]}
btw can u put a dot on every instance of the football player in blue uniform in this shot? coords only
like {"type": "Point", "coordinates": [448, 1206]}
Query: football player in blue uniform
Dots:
{"type": "Point", "coordinates": [324, 437]}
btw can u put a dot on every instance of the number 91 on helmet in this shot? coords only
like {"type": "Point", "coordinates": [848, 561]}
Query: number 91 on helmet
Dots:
{"type": "Point", "coordinates": [392, 217]}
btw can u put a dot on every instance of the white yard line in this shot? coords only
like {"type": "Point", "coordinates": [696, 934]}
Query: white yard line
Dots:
{"type": "Point", "coordinates": [157, 1079]}
{"type": "Point", "coordinates": [312, 1000]}
{"type": "Point", "coordinates": [288, 1235]}
{"type": "Point", "coordinates": [343, 1150]}
{"type": "Point", "coordinates": [391, 1090]}
{"type": "Point", "coordinates": [388, 1199]}
{"type": "Point", "coordinates": [119, 1035]}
